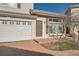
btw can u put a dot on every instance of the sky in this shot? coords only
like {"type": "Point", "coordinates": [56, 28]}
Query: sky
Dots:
{"type": "Point", "coordinates": [53, 7]}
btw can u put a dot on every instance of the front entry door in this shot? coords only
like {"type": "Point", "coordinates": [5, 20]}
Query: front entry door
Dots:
{"type": "Point", "coordinates": [38, 28]}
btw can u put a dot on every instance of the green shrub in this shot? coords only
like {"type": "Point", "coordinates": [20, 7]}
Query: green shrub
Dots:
{"type": "Point", "coordinates": [63, 45]}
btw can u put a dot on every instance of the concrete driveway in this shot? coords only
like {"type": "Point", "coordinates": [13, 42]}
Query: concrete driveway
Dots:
{"type": "Point", "coordinates": [31, 48]}
{"type": "Point", "coordinates": [23, 48]}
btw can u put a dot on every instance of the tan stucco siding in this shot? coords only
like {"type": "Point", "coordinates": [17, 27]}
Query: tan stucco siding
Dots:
{"type": "Point", "coordinates": [13, 8]}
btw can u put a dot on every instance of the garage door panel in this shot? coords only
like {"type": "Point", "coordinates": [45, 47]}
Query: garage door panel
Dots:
{"type": "Point", "coordinates": [20, 30]}
{"type": "Point", "coordinates": [12, 38]}
{"type": "Point", "coordinates": [15, 32]}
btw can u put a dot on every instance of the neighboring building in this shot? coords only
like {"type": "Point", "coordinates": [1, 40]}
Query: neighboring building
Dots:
{"type": "Point", "coordinates": [19, 21]}
{"type": "Point", "coordinates": [73, 18]}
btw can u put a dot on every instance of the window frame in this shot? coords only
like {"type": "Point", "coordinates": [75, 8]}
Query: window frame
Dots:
{"type": "Point", "coordinates": [17, 22]}
{"type": "Point", "coordinates": [4, 22]}
{"type": "Point", "coordinates": [29, 22]}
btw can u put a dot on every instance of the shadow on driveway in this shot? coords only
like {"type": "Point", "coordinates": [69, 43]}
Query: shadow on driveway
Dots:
{"type": "Point", "coordinates": [9, 51]}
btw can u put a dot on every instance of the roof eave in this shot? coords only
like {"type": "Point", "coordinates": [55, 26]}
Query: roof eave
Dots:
{"type": "Point", "coordinates": [43, 14]}
{"type": "Point", "coordinates": [17, 15]}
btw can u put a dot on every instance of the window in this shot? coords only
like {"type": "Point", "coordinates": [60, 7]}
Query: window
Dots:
{"type": "Point", "coordinates": [55, 28]}
{"type": "Point", "coordinates": [24, 23]}
{"type": "Point", "coordinates": [4, 22]}
{"type": "Point", "coordinates": [11, 22]}
{"type": "Point", "coordinates": [60, 28]}
{"type": "Point", "coordinates": [29, 23]}
{"type": "Point", "coordinates": [55, 20]}
{"type": "Point", "coordinates": [18, 22]}
{"type": "Point", "coordinates": [46, 29]}
{"type": "Point", "coordinates": [50, 19]}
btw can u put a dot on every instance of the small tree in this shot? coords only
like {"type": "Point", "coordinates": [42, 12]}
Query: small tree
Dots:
{"type": "Point", "coordinates": [75, 18]}
{"type": "Point", "coordinates": [76, 34]}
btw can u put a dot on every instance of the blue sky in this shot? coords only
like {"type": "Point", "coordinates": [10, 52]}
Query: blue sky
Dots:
{"type": "Point", "coordinates": [52, 7]}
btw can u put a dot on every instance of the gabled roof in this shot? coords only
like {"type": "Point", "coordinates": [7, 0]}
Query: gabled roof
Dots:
{"type": "Point", "coordinates": [72, 6]}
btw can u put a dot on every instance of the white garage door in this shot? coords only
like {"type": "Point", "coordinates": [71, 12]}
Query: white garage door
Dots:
{"type": "Point", "coordinates": [13, 30]}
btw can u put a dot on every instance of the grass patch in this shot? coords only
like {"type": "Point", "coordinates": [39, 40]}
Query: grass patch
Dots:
{"type": "Point", "coordinates": [63, 45]}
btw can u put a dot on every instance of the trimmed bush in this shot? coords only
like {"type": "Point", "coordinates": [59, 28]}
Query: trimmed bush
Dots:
{"type": "Point", "coordinates": [63, 45]}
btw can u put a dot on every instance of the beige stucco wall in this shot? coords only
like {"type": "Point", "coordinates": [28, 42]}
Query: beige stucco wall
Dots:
{"type": "Point", "coordinates": [74, 9]}
{"type": "Point", "coordinates": [13, 8]}
{"type": "Point", "coordinates": [26, 6]}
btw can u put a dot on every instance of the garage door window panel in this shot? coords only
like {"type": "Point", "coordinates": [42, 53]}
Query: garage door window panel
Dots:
{"type": "Point", "coordinates": [11, 22]}
{"type": "Point", "coordinates": [18, 23]}
{"type": "Point", "coordinates": [4, 22]}
{"type": "Point", "coordinates": [29, 22]}
{"type": "Point", "coordinates": [24, 23]}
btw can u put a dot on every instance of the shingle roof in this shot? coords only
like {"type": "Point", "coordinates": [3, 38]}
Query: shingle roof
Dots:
{"type": "Point", "coordinates": [45, 13]}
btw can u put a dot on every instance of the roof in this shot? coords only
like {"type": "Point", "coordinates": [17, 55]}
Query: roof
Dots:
{"type": "Point", "coordinates": [17, 15]}
{"type": "Point", "coordinates": [15, 12]}
{"type": "Point", "coordinates": [74, 6]}
{"type": "Point", "coordinates": [45, 13]}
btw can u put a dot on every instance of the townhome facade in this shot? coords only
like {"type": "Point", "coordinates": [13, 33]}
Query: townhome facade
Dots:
{"type": "Point", "coordinates": [48, 24]}
{"type": "Point", "coordinates": [20, 21]}
{"type": "Point", "coordinates": [73, 19]}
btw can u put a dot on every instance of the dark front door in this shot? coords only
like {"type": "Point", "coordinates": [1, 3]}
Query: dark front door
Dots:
{"type": "Point", "coordinates": [67, 30]}
{"type": "Point", "coordinates": [38, 28]}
